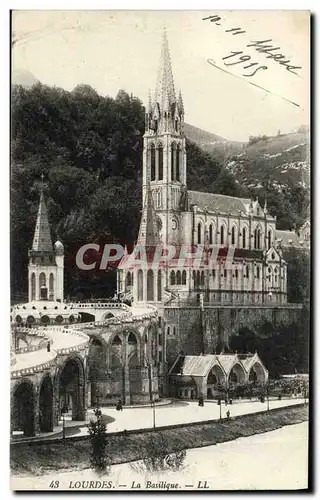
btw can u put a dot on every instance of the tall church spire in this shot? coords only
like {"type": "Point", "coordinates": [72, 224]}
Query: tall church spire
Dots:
{"type": "Point", "coordinates": [148, 232]}
{"type": "Point", "coordinates": [165, 84]}
{"type": "Point", "coordinates": [42, 241]}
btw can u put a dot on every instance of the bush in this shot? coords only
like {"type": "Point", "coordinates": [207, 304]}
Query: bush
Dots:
{"type": "Point", "coordinates": [98, 439]}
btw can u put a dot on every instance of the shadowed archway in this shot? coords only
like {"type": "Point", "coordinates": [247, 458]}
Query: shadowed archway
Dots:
{"type": "Point", "coordinates": [23, 409]}
{"type": "Point", "coordinates": [71, 388]}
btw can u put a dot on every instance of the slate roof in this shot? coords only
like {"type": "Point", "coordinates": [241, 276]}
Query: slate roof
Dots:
{"type": "Point", "coordinates": [218, 202]}
{"type": "Point", "coordinates": [286, 236]}
{"type": "Point", "coordinates": [42, 238]}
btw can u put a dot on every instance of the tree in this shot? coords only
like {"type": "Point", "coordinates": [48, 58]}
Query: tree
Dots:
{"type": "Point", "coordinates": [98, 439]}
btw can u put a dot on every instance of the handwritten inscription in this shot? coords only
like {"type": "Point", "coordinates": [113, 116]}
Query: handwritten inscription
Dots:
{"type": "Point", "coordinates": [260, 46]}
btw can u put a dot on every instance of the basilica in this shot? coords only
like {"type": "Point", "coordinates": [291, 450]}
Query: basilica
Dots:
{"type": "Point", "coordinates": [174, 215]}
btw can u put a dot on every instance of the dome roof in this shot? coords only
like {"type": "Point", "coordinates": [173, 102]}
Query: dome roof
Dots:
{"type": "Point", "coordinates": [59, 248]}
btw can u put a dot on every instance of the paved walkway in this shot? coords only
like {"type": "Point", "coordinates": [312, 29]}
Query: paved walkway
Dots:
{"type": "Point", "coordinates": [178, 412]}
{"type": "Point", "coordinates": [139, 418]}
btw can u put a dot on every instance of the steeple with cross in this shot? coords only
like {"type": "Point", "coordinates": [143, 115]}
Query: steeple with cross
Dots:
{"type": "Point", "coordinates": [164, 154]}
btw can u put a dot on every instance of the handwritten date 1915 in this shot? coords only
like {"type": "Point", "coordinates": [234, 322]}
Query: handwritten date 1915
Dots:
{"type": "Point", "coordinates": [232, 61]}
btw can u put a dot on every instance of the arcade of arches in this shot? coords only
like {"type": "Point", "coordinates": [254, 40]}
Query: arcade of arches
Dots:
{"type": "Point", "coordinates": [125, 366]}
{"type": "Point", "coordinates": [38, 408]}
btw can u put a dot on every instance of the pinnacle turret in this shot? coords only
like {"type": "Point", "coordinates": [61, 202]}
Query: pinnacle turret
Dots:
{"type": "Point", "coordinates": [148, 233]}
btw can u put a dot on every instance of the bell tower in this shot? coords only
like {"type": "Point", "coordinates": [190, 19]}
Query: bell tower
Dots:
{"type": "Point", "coordinates": [164, 148]}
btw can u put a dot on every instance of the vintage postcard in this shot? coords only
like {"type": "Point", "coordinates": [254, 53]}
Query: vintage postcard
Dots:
{"type": "Point", "coordinates": [160, 250]}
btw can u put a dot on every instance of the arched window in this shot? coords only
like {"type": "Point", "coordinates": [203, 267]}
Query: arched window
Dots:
{"type": "Point", "coordinates": [150, 285]}
{"type": "Point", "coordinates": [160, 162]}
{"type": "Point", "coordinates": [184, 277]}
{"type": "Point", "coordinates": [33, 286]}
{"type": "Point", "coordinates": [159, 286]}
{"type": "Point", "coordinates": [178, 163]}
{"type": "Point", "coordinates": [222, 235]}
{"type": "Point", "coordinates": [42, 280]}
{"type": "Point", "coordinates": [257, 238]}
{"type": "Point", "coordinates": [51, 282]}
{"type": "Point", "coordinates": [128, 280]}
{"type": "Point", "coordinates": [258, 272]}
{"type": "Point", "coordinates": [247, 271]}
{"type": "Point", "coordinates": [202, 278]}
{"type": "Point", "coordinates": [172, 278]}
{"type": "Point", "coordinates": [173, 160]}
{"type": "Point", "coordinates": [244, 237]}
{"type": "Point", "coordinates": [269, 239]}
{"type": "Point", "coordinates": [153, 162]}
{"type": "Point", "coordinates": [178, 277]}
{"type": "Point", "coordinates": [140, 285]}
{"type": "Point", "coordinates": [198, 278]}
{"type": "Point", "coordinates": [236, 273]}
{"type": "Point", "coordinates": [233, 236]}
{"type": "Point", "coordinates": [210, 234]}
{"type": "Point", "coordinates": [199, 233]}
{"type": "Point", "coordinates": [51, 291]}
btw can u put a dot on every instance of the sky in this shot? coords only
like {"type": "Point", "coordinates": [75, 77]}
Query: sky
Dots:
{"type": "Point", "coordinates": [112, 50]}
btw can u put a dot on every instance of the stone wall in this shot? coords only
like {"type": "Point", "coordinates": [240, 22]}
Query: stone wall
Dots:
{"type": "Point", "coordinates": [199, 332]}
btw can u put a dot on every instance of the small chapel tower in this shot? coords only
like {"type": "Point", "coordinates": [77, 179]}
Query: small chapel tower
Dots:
{"type": "Point", "coordinates": [164, 147]}
{"type": "Point", "coordinates": [46, 263]}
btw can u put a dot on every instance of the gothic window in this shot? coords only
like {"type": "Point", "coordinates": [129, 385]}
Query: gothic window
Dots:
{"type": "Point", "coordinates": [174, 330]}
{"type": "Point", "coordinates": [247, 272]}
{"type": "Point", "coordinates": [199, 233]}
{"type": "Point", "coordinates": [128, 280]}
{"type": "Point", "coordinates": [198, 278]}
{"type": "Point", "coordinates": [233, 236]}
{"type": "Point", "coordinates": [269, 239]}
{"type": "Point", "coordinates": [213, 273]}
{"type": "Point", "coordinates": [176, 125]}
{"type": "Point", "coordinates": [33, 286]}
{"type": "Point", "coordinates": [178, 163]}
{"type": "Point", "coordinates": [184, 277]}
{"type": "Point", "coordinates": [140, 285]}
{"type": "Point", "coordinates": [257, 239]}
{"type": "Point", "coordinates": [168, 330]}
{"type": "Point", "coordinates": [159, 287]}
{"type": "Point", "coordinates": [236, 273]}
{"type": "Point", "coordinates": [153, 162]}
{"type": "Point", "coordinates": [222, 235]}
{"type": "Point", "coordinates": [172, 278]}
{"type": "Point", "coordinates": [51, 285]}
{"type": "Point", "coordinates": [258, 272]}
{"type": "Point", "coordinates": [160, 161]}
{"type": "Point", "coordinates": [210, 234]}
{"type": "Point", "coordinates": [225, 273]}
{"type": "Point", "coordinates": [42, 280]}
{"type": "Point", "coordinates": [202, 278]}
{"type": "Point", "coordinates": [244, 238]}
{"type": "Point", "coordinates": [150, 285]}
{"type": "Point", "coordinates": [173, 159]}
{"type": "Point", "coordinates": [178, 278]}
